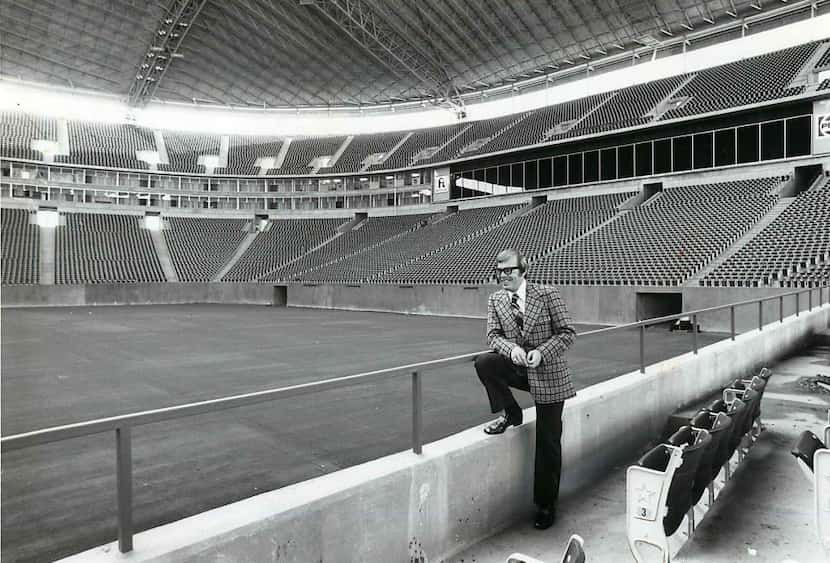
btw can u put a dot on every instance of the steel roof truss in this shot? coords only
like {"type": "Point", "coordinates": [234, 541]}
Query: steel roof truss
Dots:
{"type": "Point", "coordinates": [163, 48]}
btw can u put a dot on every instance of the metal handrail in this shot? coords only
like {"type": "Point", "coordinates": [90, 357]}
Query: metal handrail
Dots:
{"type": "Point", "coordinates": [122, 424]}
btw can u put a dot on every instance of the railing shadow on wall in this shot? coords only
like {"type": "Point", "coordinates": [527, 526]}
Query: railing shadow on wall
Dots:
{"type": "Point", "coordinates": [122, 425]}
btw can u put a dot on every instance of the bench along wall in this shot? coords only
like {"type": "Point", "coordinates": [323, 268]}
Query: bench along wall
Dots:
{"type": "Point", "coordinates": [465, 487]}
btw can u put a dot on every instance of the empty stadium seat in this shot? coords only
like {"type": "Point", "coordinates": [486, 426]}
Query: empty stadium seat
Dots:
{"type": "Point", "coordinates": [813, 457]}
{"type": "Point", "coordinates": [719, 426]}
{"type": "Point", "coordinates": [574, 553]}
{"type": "Point", "coordinates": [647, 490]}
{"type": "Point", "coordinates": [695, 444]}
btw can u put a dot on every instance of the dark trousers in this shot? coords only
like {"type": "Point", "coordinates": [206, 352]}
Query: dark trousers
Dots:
{"type": "Point", "coordinates": [498, 374]}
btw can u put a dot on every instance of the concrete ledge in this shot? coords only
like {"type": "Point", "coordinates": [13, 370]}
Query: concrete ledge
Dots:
{"type": "Point", "coordinates": [138, 294]}
{"type": "Point", "coordinates": [465, 487]}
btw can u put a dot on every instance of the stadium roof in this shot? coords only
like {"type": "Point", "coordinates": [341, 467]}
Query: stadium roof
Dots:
{"type": "Point", "coordinates": [352, 53]}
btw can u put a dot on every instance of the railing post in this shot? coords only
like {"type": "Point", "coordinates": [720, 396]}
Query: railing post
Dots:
{"type": "Point", "coordinates": [642, 348]}
{"type": "Point", "coordinates": [780, 308]}
{"type": "Point", "coordinates": [797, 302]}
{"type": "Point", "coordinates": [694, 333]}
{"type": "Point", "coordinates": [732, 321]}
{"type": "Point", "coordinates": [760, 315]}
{"type": "Point", "coordinates": [417, 413]}
{"type": "Point", "coordinates": [124, 484]}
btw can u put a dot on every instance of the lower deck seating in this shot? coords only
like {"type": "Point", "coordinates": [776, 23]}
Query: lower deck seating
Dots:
{"type": "Point", "coordinates": [663, 241]}
{"type": "Point", "coordinates": [794, 249]}
{"type": "Point", "coordinates": [283, 241]}
{"type": "Point", "coordinates": [668, 485]}
{"type": "Point", "coordinates": [20, 247]}
{"type": "Point", "coordinates": [200, 248]}
{"type": "Point", "coordinates": [97, 248]}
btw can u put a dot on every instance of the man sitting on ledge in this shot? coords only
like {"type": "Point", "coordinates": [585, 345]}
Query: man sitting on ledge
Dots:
{"type": "Point", "coordinates": [529, 329]}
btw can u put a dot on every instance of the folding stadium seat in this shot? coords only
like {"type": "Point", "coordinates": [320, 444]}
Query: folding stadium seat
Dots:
{"type": "Point", "coordinates": [737, 412]}
{"type": "Point", "coordinates": [647, 490]}
{"type": "Point", "coordinates": [689, 476]}
{"type": "Point", "coordinates": [574, 553]}
{"type": "Point", "coordinates": [719, 426]}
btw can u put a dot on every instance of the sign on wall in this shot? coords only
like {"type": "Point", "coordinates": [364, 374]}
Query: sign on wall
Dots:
{"type": "Point", "coordinates": [821, 127]}
{"type": "Point", "coordinates": [441, 184]}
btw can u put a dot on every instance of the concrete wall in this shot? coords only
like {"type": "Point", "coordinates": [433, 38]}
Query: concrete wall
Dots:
{"type": "Point", "coordinates": [587, 304]}
{"type": "Point", "coordinates": [137, 294]}
{"type": "Point", "coordinates": [746, 316]}
{"type": "Point", "coordinates": [464, 487]}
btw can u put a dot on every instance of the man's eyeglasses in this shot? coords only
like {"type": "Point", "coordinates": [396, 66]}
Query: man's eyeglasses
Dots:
{"type": "Point", "coordinates": [506, 271]}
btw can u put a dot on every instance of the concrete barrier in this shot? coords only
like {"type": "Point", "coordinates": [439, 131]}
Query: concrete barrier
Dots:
{"type": "Point", "coordinates": [465, 487]}
{"type": "Point", "coordinates": [139, 294]}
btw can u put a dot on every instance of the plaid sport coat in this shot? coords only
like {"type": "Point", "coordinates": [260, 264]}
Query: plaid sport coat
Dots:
{"type": "Point", "coordinates": [547, 328]}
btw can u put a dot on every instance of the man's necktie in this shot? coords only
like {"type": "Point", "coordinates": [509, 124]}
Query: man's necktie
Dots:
{"type": "Point", "coordinates": [517, 313]}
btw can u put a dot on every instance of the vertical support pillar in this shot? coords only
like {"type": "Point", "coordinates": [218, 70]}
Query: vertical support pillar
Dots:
{"type": "Point", "coordinates": [124, 484]}
{"type": "Point", "coordinates": [732, 321]}
{"type": "Point", "coordinates": [642, 348]}
{"type": "Point", "coordinates": [694, 333]}
{"type": "Point", "coordinates": [781, 309]}
{"type": "Point", "coordinates": [761, 315]}
{"type": "Point", "coordinates": [417, 413]}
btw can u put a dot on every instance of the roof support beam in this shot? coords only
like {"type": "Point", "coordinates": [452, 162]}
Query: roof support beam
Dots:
{"type": "Point", "coordinates": [359, 21]}
{"type": "Point", "coordinates": [163, 49]}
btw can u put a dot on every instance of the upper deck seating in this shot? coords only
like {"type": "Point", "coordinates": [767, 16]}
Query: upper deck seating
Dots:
{"type": "Point", "coordinates": [245, 150]}
{"type": "Point", "coordinates": [627, 108]}
{"type": "Point", "coordinates": [284, 241]}
{"type": "Point", "coordinates": [97, 248]}
{"type": "Point", "coordinates": [824, 61]}
{"type": "Point", "coordinates": [663, 241]}
{"type": "Point", "coordinates": [538, 126]}
{"type": "Point", "coordinates": [749, 81]}
{"type": "Point", "coordinates": [371, 232]}
{"type": "Point", "coordinates": [361, 147]}
{"type": "Point", "coordinates": [794, 247]}
{"type": "Point", "coordinates": [420, 140]}
{"type": "Point", "coordinates": [200, 247]}
{"type": "Point", "coordinates": [546, 227]}
{"type": "Point", "coordinates": [303, 150]}
{"type": "Point", "coordinates": [184, 150]}
{"type": "Point", "coordinates": [20, 246]}
{"type": "Point", "coordinates": [478, 132]}
{"type": "Point", "coordinates": [113, 145]}
{"type": "Point", "coordinates": [395, 252]}
{"type": "Point", "coordinates": [19, 129]}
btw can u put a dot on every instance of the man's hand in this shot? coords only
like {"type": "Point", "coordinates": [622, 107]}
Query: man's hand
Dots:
{"type": "Point", "coordinates": [534, 358]}
{"type": "Point", "coordinates": [518, 356]}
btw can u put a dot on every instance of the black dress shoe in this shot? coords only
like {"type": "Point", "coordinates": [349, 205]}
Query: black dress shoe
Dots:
{"type": "Point", "coordinates": [499, 425]}
{"type": "Point", "coordinates": [545, 518]}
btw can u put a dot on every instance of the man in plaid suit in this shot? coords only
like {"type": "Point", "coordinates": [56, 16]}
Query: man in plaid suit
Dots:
{"type": "Point", "coordinates": [529, 330]}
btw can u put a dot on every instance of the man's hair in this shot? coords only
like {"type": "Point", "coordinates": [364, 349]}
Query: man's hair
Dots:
{"type": "Point", "coordinates": [510, 253]}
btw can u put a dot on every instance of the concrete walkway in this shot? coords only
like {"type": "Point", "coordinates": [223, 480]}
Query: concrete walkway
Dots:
{"type": "Point", "coordinates": [765, 514]}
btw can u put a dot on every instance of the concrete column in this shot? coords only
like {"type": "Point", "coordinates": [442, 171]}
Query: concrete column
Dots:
{"type": "Point", "coordinates": [47, 255]}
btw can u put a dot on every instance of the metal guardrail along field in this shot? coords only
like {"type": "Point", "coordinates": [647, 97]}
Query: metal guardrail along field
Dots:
{"type": "Point", "coordinates": [122, 425]}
